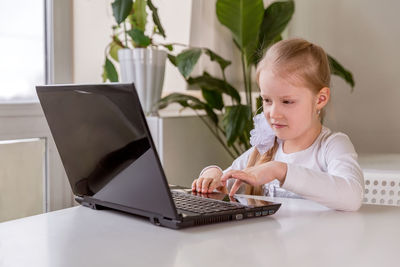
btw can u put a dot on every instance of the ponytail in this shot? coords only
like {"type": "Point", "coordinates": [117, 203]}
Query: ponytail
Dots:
{"type": "Point", "coordinates": [256, 159]}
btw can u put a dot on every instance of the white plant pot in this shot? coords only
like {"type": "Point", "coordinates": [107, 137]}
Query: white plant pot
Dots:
{"type": "Point", "coordinates": [145, 67]}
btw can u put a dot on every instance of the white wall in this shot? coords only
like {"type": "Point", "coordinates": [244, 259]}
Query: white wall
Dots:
{"type": "Point", "coordinates": [363, 35]}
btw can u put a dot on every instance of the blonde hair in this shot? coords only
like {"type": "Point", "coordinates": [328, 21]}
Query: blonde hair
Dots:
{"type": "Point", "coordinates": [299, 62]}
{"type": "Point", "coordinates": [256, 158]}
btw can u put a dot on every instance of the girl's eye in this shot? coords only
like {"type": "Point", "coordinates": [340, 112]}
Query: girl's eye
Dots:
{"type": "Point", "coordinates": [267, 101]}
{"type": "Point", "coordinates": [287, 102]}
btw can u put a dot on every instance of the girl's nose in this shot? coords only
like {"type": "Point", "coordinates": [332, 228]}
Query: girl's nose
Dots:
{"type": "Point", "coordinates": [275, 112]}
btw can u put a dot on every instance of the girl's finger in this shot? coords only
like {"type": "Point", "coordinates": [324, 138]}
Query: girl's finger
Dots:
{"type": "Point", "coordinates": [241, 175]}
{"type": "Point", "coordinates": [214, 184]}
{"type": "Point", "coordinates": [199, 184]}
{"type": "Point", "coordinates": [235, 187]}
{"type": "Point", "coordinates": [205, 185]}
{"type": "Point", "coordinates": [194, 185]}
{"type": "Point", "coordinates": [227, 176]}
{"type": "Point", "coordinates": [229, 173]}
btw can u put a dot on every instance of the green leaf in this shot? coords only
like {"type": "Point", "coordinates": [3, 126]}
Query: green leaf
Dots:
{"type": "Point", "coordinates": [213, 98]}
{"type": "Point", "coordinates": [140, 14]}
{"type": "Point", "coordinates": [277, 39]}
{"type": "Point", "coordinates": [140, 39]}
{"type": "Point", "coordinates": [339, 70]}
{"type": "Point", "coordinates": [236, 44]}
{"type": "Point", "coordinates": [170, 47]}
{"type": "Point", "coordinates": [114, 47]}
{"type": "Point", "coordinates": [260, 52]}
{"type": "Point", "coordinates": [121, 9]}
{"type": "Point", "coordinates": [188, 101]}
{"type": "Point", "coordinates": [132, 20]}
{"type": "Point", "coordinates": [250, 53]}
{"type": "Point", "coordinates": [172, 59]}
{"type": "Point", "coordinates": [276, 18]}
{"type": "Point", "coordinates": [182, 99]}
{"type": "Point", "coordinates": [110, 72]}
{"type": "Point", "coordinates": [236, 119]}
{"type": "Point", "coordinates": [245, 139]}
{"type": "Point", "coordinates": [104, 74]}
{"type": "Point", "coordinates": [215, 84]}
{"type": "Point", "coordinates": [186, 60]}
{"type": "Point", "coordinates": [156, 18]}
{"type": "Point", "coordinates": [223, 63]}
{"type": "Point", "coordinates": [242, 17]}
{"type": "Point", "coordinates": [259, 103]}
{"type": "Point", "coordinates": [211, 114]}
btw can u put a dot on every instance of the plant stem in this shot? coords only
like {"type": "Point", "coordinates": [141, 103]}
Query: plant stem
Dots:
{"type": "Point", "coordinates": [238, 153]}
{"type": "Point", "coordinates": [249, 86]}
{"type": "Point", "coordinates": [247, 81]}
{"type": "Point", "coordinates": [223, 74]}
{"type": "Point", "coordinates": [105, 50]}
{"type": "Point", "coordinates": [126, 38]}
{"type": "Point", "coordinates": [179, 44]}
{"type": "Point", "coordinates": [244, 77]}
{"type": "Point", "coordinates": [224, 77]}
{"type": "Point", "coordinates": [215, 134]}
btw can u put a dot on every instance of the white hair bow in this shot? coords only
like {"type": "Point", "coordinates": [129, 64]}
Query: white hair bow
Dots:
{"type": "Point", "coordinates": [262, 136]}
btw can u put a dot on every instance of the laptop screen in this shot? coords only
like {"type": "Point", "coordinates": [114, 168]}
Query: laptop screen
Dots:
{"type": "Point", "coordinates": [104, 144]}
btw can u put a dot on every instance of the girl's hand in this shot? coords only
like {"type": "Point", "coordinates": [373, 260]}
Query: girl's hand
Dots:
{"type": "Point", "coordinates": [257, 175]}
{"type": "Point", "coordinates": [208, 181]}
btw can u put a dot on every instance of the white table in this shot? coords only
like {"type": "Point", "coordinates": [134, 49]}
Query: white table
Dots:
{"type": "Point", "coordinates": [301, 233]}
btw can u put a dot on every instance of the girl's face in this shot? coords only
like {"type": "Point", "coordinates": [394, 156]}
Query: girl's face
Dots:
{"type": "Point", "coordinates": [291, 110]}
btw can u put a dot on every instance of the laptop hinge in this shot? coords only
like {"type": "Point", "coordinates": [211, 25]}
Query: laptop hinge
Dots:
{"type": "Point", "coordinates": [79, 199]}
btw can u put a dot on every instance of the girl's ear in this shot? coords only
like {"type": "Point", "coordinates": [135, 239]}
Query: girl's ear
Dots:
{"type": "Point", "coordinates": [323, 97]}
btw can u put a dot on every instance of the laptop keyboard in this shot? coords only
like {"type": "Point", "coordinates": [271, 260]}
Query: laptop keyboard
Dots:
{"type": "Point", "coordinates": [188, 202]}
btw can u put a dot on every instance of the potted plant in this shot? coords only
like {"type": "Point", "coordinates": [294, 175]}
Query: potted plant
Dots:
{"type": "Point", "coordinates": [254, 29]}
{"type": "Point", "coordinates": [140, 59]}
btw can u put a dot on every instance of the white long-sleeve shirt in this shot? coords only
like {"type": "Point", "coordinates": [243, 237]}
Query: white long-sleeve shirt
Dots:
{"type": "Point", "coordinates": [326, 172]}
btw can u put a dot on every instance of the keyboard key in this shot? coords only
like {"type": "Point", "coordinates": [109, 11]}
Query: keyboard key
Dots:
{"type": "Point", "coordinates": [200, 205]}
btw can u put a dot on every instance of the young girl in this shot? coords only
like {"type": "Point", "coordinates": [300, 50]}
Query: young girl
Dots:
{"type": "Point", "coordinates": [292, 153]}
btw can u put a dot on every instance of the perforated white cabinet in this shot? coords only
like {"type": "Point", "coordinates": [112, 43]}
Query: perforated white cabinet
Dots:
{"type": "Point", "coordinates": [382, 178]}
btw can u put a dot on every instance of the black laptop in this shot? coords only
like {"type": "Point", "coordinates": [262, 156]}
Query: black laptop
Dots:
{"type": "Point", "coordinates": [111, 162]}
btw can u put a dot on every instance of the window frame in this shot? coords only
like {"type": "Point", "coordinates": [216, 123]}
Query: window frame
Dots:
{"type": "Point", "coordinates": [26, 120]}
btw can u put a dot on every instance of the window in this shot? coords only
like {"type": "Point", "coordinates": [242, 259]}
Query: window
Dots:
{"type": "Point", "coordinates": [25, 139]}
{"type": "Point", "coordinates": [22, 46]}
